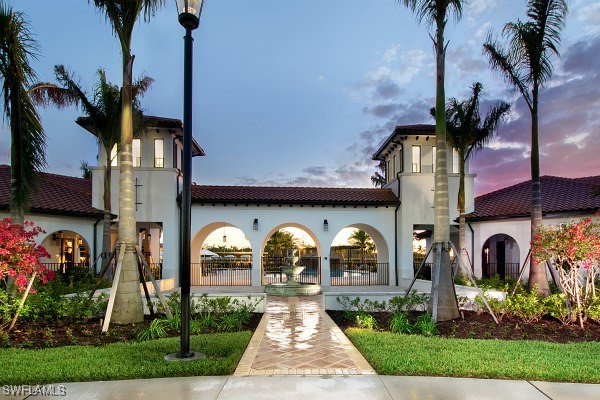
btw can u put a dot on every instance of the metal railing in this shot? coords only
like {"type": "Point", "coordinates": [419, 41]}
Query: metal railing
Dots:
{"type": "Point", "coordinates": [359, 274]}
{"type": "Point", "coordinates": [510, 270]}
{"type": "Point", "coordinates": [69, 269]}
{"type": "Point", "coordinates": [425, 272]}
{"type": "Point", "coordinates": [221, 273]}
{"type": "Point", "coordinates": [271, 267]}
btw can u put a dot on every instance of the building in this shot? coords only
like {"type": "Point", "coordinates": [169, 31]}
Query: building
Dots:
{"type": "Point", "coordinates": [70, 210]}
{"type": "Point", "coordinates": [501, 224]}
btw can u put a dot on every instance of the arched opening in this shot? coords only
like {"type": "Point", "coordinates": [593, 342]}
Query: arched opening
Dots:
{"type": "Point", "coordinates": [285, 241]}
{"type": "Point", "coordinates": [359, 256]}
{"type": "Point", "coordinates": [500, 256]}
{"type": "Point", "coordinates": [221, 255]}
{"type": "Point", "coordinates": [69, 254]}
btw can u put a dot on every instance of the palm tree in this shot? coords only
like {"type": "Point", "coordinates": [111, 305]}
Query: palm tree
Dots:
{"type": "Point", "coordinates": [103, 108]}
{"type": "Point", "coordinates": [467, 135]}
{"type": "Point", "coordinates": [362, 240]}
{"type": "Point", "coordinates": [279, 242]}
{"type": "Point", "coordinates": [378, 179]}
{"type": "Point", "coordinates": [435, 12]}
{"type": "Point", "coordinates": [526, 65]}
{"type": "Point", "coordinates": [28, 141]}
{"type": "Point", "coordinates": [86, 170]}
{"type": "Point", "coordinates": [122, 16]}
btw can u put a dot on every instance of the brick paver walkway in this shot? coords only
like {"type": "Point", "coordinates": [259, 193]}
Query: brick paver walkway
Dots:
{"type": "Point", "coordinates": [296, 337]}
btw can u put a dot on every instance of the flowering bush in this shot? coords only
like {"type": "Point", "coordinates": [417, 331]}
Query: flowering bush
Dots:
{"type": "Point", "coordinates": [20, 255]}
{"type": "Point", "coordinates": [574, 249]}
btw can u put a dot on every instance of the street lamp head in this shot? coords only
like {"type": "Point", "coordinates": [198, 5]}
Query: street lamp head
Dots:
{"type": "Point", "coordinates": [189, 13]}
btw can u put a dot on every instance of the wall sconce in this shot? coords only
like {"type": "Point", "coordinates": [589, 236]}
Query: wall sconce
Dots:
{"type": "Point", "coordinates": [325, 225]}
{"type": "Point", "coordinates": [255, 224]}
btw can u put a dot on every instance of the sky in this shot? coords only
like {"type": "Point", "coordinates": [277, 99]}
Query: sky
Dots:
{"type": "Point", "coordinates": [303, 93]}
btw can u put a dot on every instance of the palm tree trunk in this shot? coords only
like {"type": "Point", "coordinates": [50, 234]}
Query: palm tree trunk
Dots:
{"type": "Point", "coordinates": [537, 271]}
{"type": "Point", "coordinates": [462, 236]}
{"type": "Point", "coordinates": [447, 306]}
{"type": "Point", "coordinates": [17, 211]}
{"type": "Point", "coordinates": [106, 242]}
{"type": "Point", "coordinates": [128, 303]}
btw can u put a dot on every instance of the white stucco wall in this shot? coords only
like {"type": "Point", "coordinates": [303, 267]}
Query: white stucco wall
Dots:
{"type": "Point", "coordinates": [378, 222]}
{"type": "Point", "coordinates": [84, 227]}
{"type": "Point", "coordinates": [517, 228]}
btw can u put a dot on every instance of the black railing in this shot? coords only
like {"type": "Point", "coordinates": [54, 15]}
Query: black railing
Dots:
{"type": "Point", "coordinates": [221, 273]}
{"type": "Point", "coordinates": [359, 273]}
{"type": "Point", "coordinates": [271, 267]}
{"type": "Point", "coordinates": [425, 272]}
{"type": "Point", "coordinates": [68, 270]}
{"type": "Point", "coordinates": [155, 268]}
{"type": "Point", "coordinates": [510, 270]}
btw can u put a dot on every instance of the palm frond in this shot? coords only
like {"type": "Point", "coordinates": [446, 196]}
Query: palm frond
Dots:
{"type": "Point", "coordinates": [123, 14]}
{"type": "Point", "coordinates": [45, 93]}
{"type": "Point", "coordinates": [500, 61]}
{"type": "Point", "coordinates": [28, 141]}
{"type": "Point", "coordinates": [434, 11]}
{"type": "Point", "coordinates": [28, 150]}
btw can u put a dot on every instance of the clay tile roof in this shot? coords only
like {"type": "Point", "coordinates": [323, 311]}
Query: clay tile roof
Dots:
{"type": "Point", "coordinates": [151, 121]}
{"type": "Point", "coordinates": [559, 195]}
{"type": "Point", "coordinates": [54, 194]}
{"type": "Point", "coordinates": [292, 195]}
{"type": "Point", "coordinates": [403, 130]}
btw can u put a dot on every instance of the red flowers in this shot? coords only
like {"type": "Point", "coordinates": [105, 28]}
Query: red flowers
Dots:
{"type": "Point", "coordinates": [568, 244]}
{"type": "Point", "coordinates": [20, 255]}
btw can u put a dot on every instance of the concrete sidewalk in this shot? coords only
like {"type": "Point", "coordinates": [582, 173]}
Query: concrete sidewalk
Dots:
{"type": "Point", "coordinates": [337, 387]}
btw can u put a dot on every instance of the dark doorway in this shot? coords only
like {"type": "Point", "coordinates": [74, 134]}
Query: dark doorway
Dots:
{"type": "Point", "coordinates": [501, 258]}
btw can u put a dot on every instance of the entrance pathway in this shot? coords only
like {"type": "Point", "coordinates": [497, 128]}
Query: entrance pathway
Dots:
{"type": "Point", "coordinates": [296, 337]}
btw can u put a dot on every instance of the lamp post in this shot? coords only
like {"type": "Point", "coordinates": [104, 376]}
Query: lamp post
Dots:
{"type": "Point", "coordinates": [189, 17]}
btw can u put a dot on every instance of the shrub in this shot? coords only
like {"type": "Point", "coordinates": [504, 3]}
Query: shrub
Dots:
{"type": "Point", "coordinates": [527, 306]}
{"type": "Point", "coordinates": [366, 321]}
{"type": "Point", "coordinates": [556, 306]}
{"type": "Point", "coordinates": [499, 307]}
{"type": "Point", "coordinates": [155, 330]}
{"type": "Point", "coordinates": [426, 325]}
{"type": "Point", "coordinates": [574, 248]}
{"type": "Point", "coordinates": [399, 323]}
{"type": "Point", "coordinates": [411, 302]}
{"type": "Point", "coordinates": [594, 310]}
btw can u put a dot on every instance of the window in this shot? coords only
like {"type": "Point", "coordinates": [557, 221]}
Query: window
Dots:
{"type": "Point", "coordinates": [394, 169]}
{"type": "Point", "coordinates": [416, 159]}
{"type": "Point", "coordinates": [159, 157]}
{"type": "Point", "coordinates": [387, 171]}
{"type": "Point", "coordinates": [137, 155]}
{"type": "Point", "coordinates": [455, 162]}
{"type": "Point", "coordinates": [114, 160]}
{"type": "Point", "coordinates": [401, 160]}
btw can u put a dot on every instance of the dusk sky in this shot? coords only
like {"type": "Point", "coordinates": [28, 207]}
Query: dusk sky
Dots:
{"type": "Point", "coordinates": [302, 93]}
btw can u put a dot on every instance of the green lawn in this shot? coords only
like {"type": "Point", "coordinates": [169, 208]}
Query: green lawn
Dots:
{"type": "Point", "coordinates": [122, 360]}
{"type": "Point", "coordinates": [395, 354]}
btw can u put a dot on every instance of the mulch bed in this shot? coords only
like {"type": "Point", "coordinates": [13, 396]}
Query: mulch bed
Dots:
{"type": "Point", "coordinates": [482, 326]}
{"type": "Point", "coordinates": [44, 334]}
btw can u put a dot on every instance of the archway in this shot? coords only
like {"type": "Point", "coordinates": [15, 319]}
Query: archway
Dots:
{"type": "Point", "coordinates": [221, 256]}
{"type": "Point", "coordinates": [500, 256]}
{"type": "Point", "coordinates": [301, 242]}
{"type": "Point", "coordinates": [69, 254]}
{"type": "Point", "coordinates": [355, 263]}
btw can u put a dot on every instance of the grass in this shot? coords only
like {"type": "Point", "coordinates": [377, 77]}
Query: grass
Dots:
{"type": "Point", "coordinates": [394, 354]}
{"type": "Point", "coordinates": [122, 360]}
